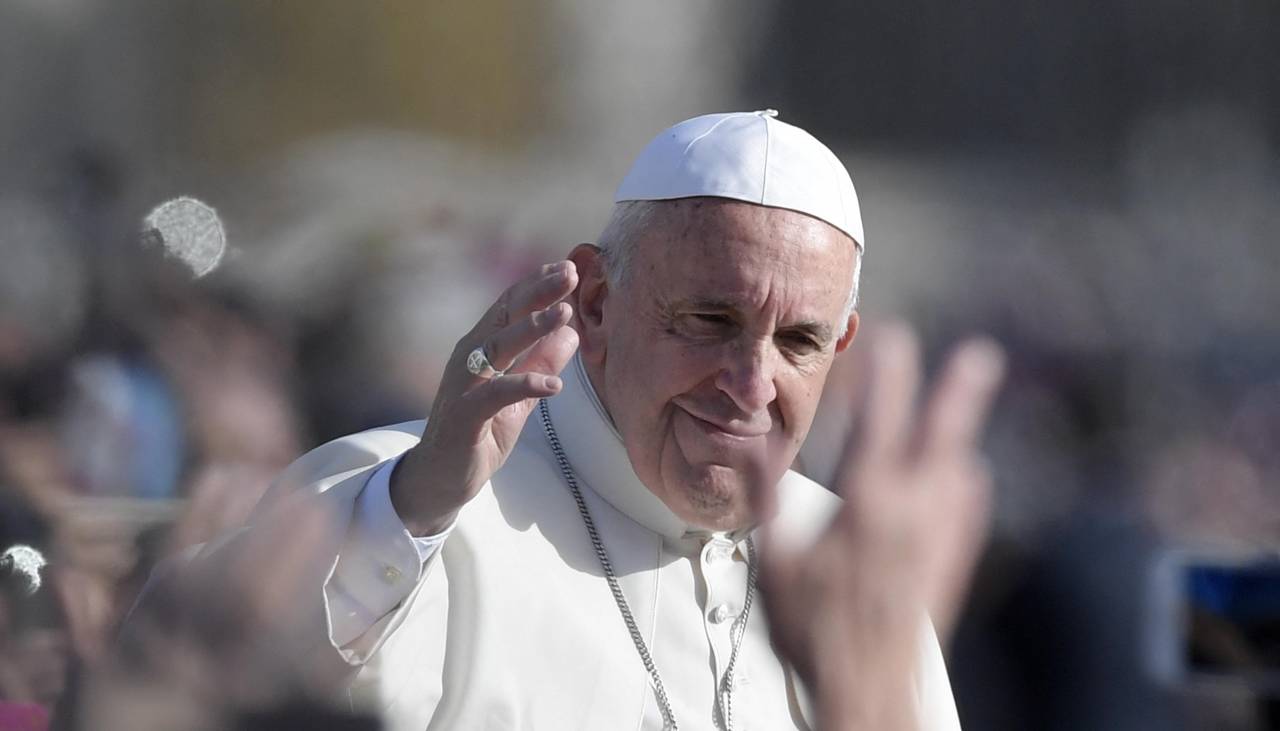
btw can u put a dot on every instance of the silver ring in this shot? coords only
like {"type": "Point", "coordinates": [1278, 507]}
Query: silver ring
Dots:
{"type": "Point", "coordinates": [478, 364]}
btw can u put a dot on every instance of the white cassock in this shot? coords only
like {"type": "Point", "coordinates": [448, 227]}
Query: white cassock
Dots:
{"type": "Point", "coordinates": [507, 622]}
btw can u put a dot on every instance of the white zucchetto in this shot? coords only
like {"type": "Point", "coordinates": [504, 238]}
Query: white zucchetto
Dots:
{"type": "Point", "coordinates": [746, 156]}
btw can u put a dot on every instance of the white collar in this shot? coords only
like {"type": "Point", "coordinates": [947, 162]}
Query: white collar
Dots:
{"type": "Point", "coordinates": [600, 461]}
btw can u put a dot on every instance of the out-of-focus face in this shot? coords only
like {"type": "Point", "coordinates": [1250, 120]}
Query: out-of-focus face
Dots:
{"type": "Point", "coordinates": [711, 355]}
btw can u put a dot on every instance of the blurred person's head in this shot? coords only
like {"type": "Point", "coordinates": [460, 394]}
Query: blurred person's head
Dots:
{"type": "Point", "coordinates": [1202, 490]}
{"type": "Point", "coordinates": [34, 651]}
{"type": "Point", "coordinates": [231, 365]}
{"type": "Point", "coordinates": [1254, 425]}
{"type": "Point", "coordinates": [36, 647]}
{"type": "Point", "coordinates": [42, 286]}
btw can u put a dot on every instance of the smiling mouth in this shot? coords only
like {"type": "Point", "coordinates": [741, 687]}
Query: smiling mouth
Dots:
{"type": "Point", "coordinates": [718, 431]}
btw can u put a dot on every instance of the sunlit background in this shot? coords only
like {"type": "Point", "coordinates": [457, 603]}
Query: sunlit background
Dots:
{"type": "Point", "coordinates": [1094, 183]}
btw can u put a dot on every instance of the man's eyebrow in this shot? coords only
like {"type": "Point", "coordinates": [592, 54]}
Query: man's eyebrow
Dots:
{"type": "Point", "coordinates": [704, 303]}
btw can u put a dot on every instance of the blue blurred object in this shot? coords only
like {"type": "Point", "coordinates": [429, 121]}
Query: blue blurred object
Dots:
{"type": "Point", "coordinates": [123, 429]}
{"type": "Point", "coordinates": [1248, 593]}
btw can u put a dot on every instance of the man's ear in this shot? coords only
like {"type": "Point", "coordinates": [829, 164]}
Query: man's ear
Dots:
{"type": "Point", "coordinates": [588, 300]}
{"type": "Point", "coordinates": [849, 333]}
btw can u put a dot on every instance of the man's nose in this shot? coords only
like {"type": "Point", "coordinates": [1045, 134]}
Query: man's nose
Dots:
{"type": "Point", "coordinates": [747, 376]}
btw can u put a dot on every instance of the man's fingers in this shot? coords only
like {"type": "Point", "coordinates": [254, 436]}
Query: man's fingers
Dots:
{"type": "Point", "coordinates": [890, 400]}
{"type": "Point", "coordinates": [962, 517]}
{"type": "Point", "coordinates": [957, 410]}
{"type": "Point", "coordinates": [550, 354]}
{"type": "Point", "coordinates": [551, 283]}
{"type": "Point", "coordinates": [513, 388]}
{"type": "Point", "coordinates": [506, 345]}
{"type": "Point", "coordinates": [534, 376]}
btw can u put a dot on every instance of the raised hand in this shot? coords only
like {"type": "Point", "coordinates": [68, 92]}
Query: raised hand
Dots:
{"type": "Point", "coordinates": [223, 637]}
{"type": "Point", "coordinates": [476, 419]}
{"type": "Point", "coordinates": [848, 610]}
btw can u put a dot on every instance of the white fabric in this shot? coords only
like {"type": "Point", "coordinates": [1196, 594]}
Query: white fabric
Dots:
{"type": "Point", "coordinates": [359, 589]}
{"type": "Point", "coordinates": [511, 625]}
{"type": "Point", "coordinates": [377, 517]}
{"type": "Point", "coordinates": [746, 156]}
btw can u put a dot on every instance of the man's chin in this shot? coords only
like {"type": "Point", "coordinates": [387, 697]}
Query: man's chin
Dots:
{"type": "Point", "coordinates": [714, 497]}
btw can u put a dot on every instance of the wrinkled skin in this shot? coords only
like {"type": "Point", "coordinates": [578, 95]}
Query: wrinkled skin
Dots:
{"type": "Point", "coordinates": [711, 354]}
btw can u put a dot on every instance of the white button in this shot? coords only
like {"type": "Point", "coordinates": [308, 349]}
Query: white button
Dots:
{"type": "Point", "coordinates": [717, 550]}
{"type": "Point", "coordinates": [721, 613]}
{"type": "Point", "coordinates": [391, 574]}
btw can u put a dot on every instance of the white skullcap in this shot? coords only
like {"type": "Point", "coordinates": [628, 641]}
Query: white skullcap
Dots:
{"type": "Point", "coordinates": [746, 156]}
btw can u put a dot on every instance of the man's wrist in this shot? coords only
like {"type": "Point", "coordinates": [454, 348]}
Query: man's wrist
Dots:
{"type": "Point", "coordinates": [413, 501]}
{"type": "Point", "coordinates": [850, 699]}
{"type": "Point", "coordinates": [420, 529]}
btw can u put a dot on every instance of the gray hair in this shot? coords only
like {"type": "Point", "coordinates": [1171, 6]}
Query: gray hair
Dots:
{"type": "Point", "coordinates": [627, 223]}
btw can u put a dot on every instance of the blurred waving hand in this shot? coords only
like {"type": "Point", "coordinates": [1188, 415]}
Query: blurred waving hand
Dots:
{"type": "Point", "coordinates": [846, 611]}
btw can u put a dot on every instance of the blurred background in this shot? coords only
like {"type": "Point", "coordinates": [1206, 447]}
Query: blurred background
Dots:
{"type": "Point", "coordinates": [1094, 183]}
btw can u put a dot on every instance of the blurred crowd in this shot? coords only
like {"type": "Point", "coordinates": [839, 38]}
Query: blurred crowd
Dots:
{"type": "Point", "coordinates": [144, 410]}
{"type": "Point", "coordinates": [1094, 184]}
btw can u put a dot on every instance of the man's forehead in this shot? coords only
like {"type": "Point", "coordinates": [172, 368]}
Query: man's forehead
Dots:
{"type": "Point", "coordinates": [792, 301]}
{"type": "Point", "coordinates": [715, 219]}
{"type": "Point", "coordinates": [798, 282]}
{"type": "Point", "coordinates": [709, 220]}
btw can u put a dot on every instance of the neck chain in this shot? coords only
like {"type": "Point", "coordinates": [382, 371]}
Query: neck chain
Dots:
{"type": "Point", "coordinates": [724, 691]}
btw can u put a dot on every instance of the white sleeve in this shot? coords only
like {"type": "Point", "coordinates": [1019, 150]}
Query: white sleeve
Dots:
{"type": "Point", "coordinates": [379, 564]}
{"type": "Point", "coordinates": [936, 709]}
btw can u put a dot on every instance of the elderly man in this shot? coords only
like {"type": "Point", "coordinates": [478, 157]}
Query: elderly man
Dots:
{"type": "Point", "coordinates": [571, 539]}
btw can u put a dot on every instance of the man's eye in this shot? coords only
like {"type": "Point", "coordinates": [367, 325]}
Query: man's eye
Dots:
{"type": "Point", "coordinates": [706, 318]}
{"type": "Point", "coordinates": [800, 343]}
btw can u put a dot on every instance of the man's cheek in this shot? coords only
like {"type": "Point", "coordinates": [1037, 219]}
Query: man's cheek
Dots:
{"type": "Point", "coordinates": [782, 450]}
